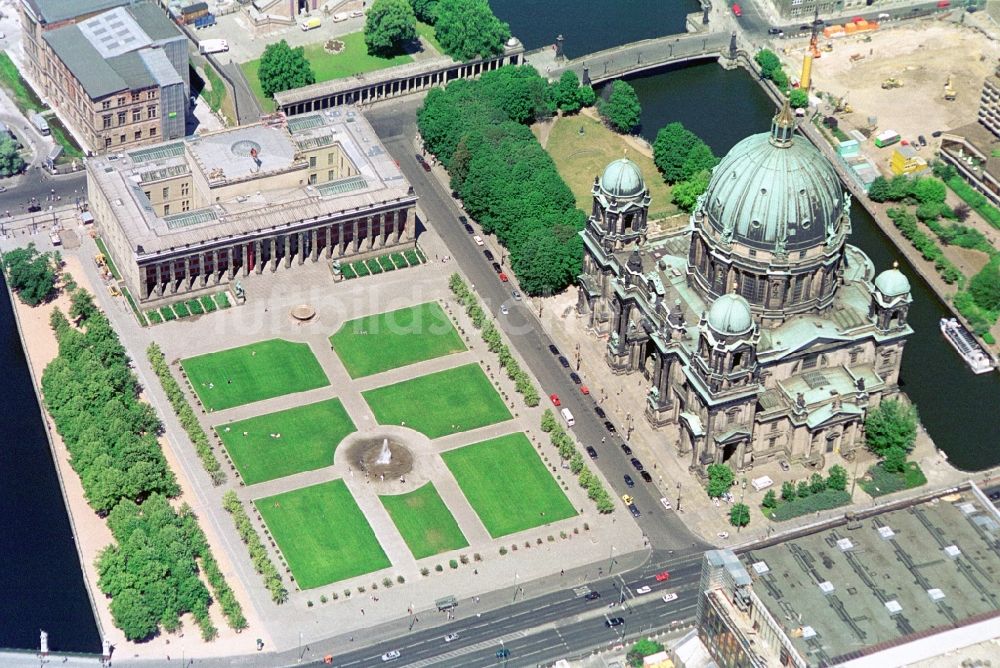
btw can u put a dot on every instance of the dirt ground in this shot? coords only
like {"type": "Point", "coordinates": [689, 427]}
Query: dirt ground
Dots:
{"type": "Point", "coordinates": [921, 55]}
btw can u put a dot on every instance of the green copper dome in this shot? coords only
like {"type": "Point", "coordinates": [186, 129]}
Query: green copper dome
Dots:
{"type": "Point", "coordinates": [892, 283]}
{"type": "Point", "coordinates": [775, 192]}
{"type": "Point", "coordinates": [622, 178]}
{"type": "Point", "coordinates": [730, 314]}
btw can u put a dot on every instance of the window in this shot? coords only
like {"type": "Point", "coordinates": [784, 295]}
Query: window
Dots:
{"type": "Point", "coordinates": [312, 162]}
{"type": "Point", "coordinates": [106, 104]}
{"type": "Point", "coordinates": [184, 189]}
{"type": "Point", "coordinates": [148, 194]}
{"type": "Point", "coordinates": [107, 121]}
{"type": "Point", "coordinates": [166, 193]}
{"type": "Point", "coordinates": [121, 139]}
{"type": "Point", "coordinates": [135, 97]}
{"type": "Point", "coordinates": [152, 132]}
{"type": "Point", "coordinates": [151, 111]}
{"type": "Point", "coordinates": [107, 142]}
{"type": "Point", "coordinates": [854, 356]}
{"type": "Point", "coordinates": [166, 209]}
{"type": "Point", "coordinates": [331, 175]}
{"type": "Point", "coordinates": [329, 158]}
{"type": "Point", "coordinates": [121, 118]}
{"type": "Point", "coordinates": [810, 362]}
{"type": "Point", "coordinates": [151, 95]}
{"type": "Point", "coordinates": [185, 205]}
{"type": "Point", "coordinates": [312, 179]}
{"type": "Point", "coordinates": [138, 135]}
{"type": "Point", "coordinates": [136, 115]}
{"type": "Point", "coordinates": [121, 101]}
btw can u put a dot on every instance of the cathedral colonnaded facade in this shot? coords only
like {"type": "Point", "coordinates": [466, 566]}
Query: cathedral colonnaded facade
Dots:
{"type": "Point", "coordinates": [763, 334]}
{"type": "Point", "coordinates": [186, 216]}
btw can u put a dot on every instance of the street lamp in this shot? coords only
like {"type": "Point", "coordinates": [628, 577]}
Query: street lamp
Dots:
{"type": "Point", "coordinates": [515, 587]}
{"type": "Point", "coordinates": [743, 493]}
{"type": "Point", "coordinates": [613, 561]}
{"type": "Point", "coordinates": [678, 497]}
{"type": "Point", "coordinates": [578, 357]}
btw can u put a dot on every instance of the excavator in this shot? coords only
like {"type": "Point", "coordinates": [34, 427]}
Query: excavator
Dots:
{"type": "Point", "coordinates": [949, 90]}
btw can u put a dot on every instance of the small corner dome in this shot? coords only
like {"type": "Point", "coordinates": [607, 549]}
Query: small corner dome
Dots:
{"type": "Point", "coordinates": [892, 283]}
{"type": "Point", "coordinates": [730, 314]}
{"type": "Point", "coordinates": [513, 41]}
{"type": "Point", "coordinates": [622, 178]}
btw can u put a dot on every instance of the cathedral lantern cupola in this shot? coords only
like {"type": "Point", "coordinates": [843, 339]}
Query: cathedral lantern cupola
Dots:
{"type": "Point", "coordinates": [621, 205]}
{"type": "Point", "coordinates": [890, 301]}
{"type": "Point", "coordinates": [727, 344]}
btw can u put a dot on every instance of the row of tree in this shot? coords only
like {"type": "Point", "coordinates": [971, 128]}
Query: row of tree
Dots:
{"type": "Point", "coordinates": [479, 131]}
{"type": "Point", "coordinates": [686, 163]}
{"type": "Point", "coordinates": [258, 553]}
{"type": "Point", "coordinates": [494, 340]}
{"type": "Point", "coordinates": [32, 274]}
{"type": "Point", "coordinates": [465, 29]}
{"type": "Point", "coordinates": [152, 571]}
{"type": "Point", "coordinates": [11, 162]}
{"type": "Point", "coordinates": [186, 414]}
{"type": "Point", "coordinates": [568, 451]}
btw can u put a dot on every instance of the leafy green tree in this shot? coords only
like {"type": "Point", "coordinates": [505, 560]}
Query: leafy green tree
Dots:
{"type": "Point", "coordinates": [739, 515]}
{"type": "Point", "coordinates": [768, 61]}
{"type": "Point", "coordinates": [894, 459]}
{"type": "Point", "coordinates": [780, 79]}
{"type": "Point", "coordinates": [685, 194]}
{"type": "Point", "coordinates": [892, 424]}
{"type": "Point", "coordinates": [798, 99]}
{"type": "Point", "coordinates": [802, 489]}
{"type": "Point", "coordinates": [770, 499]}
{"type": "Point", "coordinates": [900, 188]}
{"type": "Point", "coordinates": [284, 68]}
{"type": "Point", "coordinates": [425, 10]}
{"type": "Point", "coordinates": [985, 286]}
{"type": "Point", "coordinates": [30, 273]}
{"type": "Point", "coordinates": [699, 159]}
{"type": "Point", "coordinates": [880, 190]}
{"type": "Point", "coordinates": [816, 483]}
{"type": "Point", "coordinates": [566, 92]}
{"type": "Point", "coordinates": [943, 170]}
{"type": "Point", "coordinates": [787, 490]}
{"type": "Point", "coordinates": [720, 479]}
{"type": "Point", "coordinates": [928, 190]}
{"type": "Point", "coordinates": [621, 110]}
{"type": "Point", "coordinates": [671, 148]}
{"type": "Point", "coordinates": [390, 25]}
{"type": "Point", "coordinates": [837, 478]}
{"type": "Point", "coordinates": [519, 91]}
{"type": "Point", "coordinates": [586, 96]}
{"type": "Point", "coordinates": [928, 211]}
{"type": "Point", "coordinates": [10, 159]}
{"type": "Point", "coordinates": [641, 650]}
{"type": "Point", "coordinates": [468, 29]}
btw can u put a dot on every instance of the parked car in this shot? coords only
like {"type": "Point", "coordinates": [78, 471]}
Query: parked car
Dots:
{"type": "Point", "coordinates": [609, 425]}
{"type": "Point", "coordinates": [628, 481]}
{"type": "Point", "coordinates": [463, 219]}
{"type": "Point", "coordinates": [575, 377]}
{"type": "Point", "coordinates": [737, 11]}
{"type": "Point", "coordinates": [636, 464]}
{"type": "Point", "coordinates": [497, 268]}
{"type": "Point", "coordinates": [564, 362]}
{"type": "Point", "coordinates": [614, 621]}
{"type": "Point", "coordinates": [592, 595]}
{"type": "Point", "coordinates": [645, 476]}
{"type": "Point", "coordinates": [626, 449]}
{"type": "Point", "coordinates": [555, 400]}
{"type": "Point", "coordinates": [468, 228]}
{"type": "Point", "coordinates": [591, 452]}
{"type": "Point", "coordinates": [479, 240]}
{"type": "Point", "coordinates": [584, 389]}
{"type": "Point", "coordinates": [645, 589]}
{"type": "Point", "coordinates": [922, 139]}
{"type": "Point", "coordinates": [600, 412]}
{"type": "Point", "coordinates": [784, 465]}
{"type": "Point", "coordinates": [553, 349]}
{"type": "Point", "coordinates": [516, 295]}
{"type": "Point", "coordinates": [489, 254]}
{"type": "Point", "coordinates": [504, 310]}
{"type": "Point", "coordinates": [663, 576]}
{"type": "Point", "coordinates": [634, 509]}
{"type": "Point", "coordinates": [503, 277]}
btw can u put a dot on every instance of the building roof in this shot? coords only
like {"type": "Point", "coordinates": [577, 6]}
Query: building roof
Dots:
{"type": "Point", "coordinates": [53, 11]}
{"type": "Point", "coordinates": [862, 587]}
{"type": "Point", "coordinates": [892, 283]}
{"type": "Point", "coordinates": [730, 314]}
{"type": "Point", "coordinates": [102, 52]}
{"type": "Point", "coordinates": [768, 193]}
{"type": "Point", "coordinates": [622, 178]}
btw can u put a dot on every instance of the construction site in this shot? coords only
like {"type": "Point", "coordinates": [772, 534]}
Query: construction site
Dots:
{"type": "Point", "coordinates": [898, 76]}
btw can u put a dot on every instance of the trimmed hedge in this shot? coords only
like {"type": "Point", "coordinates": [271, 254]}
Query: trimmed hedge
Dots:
{"type": "Point", "coordinates": [168, 314]}
{"type": "Point", "coordinates": [882, 482]}
{"type": "Point", "coordinates": [208, 304]}
{"type": "Point", "coordinates": [222, 299]}
{"type": "Point", "coordinates": [258, 553]}
{"type": "Point", "coordinates": [907, 224]}
{"type": "Point", "coordinates": [825, 500]}
{"type": "Point", "coordinates": [976, 200]}
{"type": "Point", "coordinates": [185, 414]}
{"type": "Point", "coordinates": [194, 306]}
{"type": "Point", "coordinates": [154, 317]}
{"type": "Point", "coordinates": [182, 310]}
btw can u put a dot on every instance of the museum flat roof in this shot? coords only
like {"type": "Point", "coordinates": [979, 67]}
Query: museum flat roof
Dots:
{"type": "Point", "coordinates": [225, 158]}
{"type": "Point", "coordinates": [863, 587]}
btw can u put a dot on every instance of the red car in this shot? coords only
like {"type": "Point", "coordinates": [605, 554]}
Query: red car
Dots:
{"type": "Point", "coordinates": [555, 400]}
{"type": "Point", "coordinates": [585, 389]}
{"type": "Point", "coordinates": [737, 11]}
{"type": "Point", "coordinates": [503, 277]}
{"type": "Point", "coordinates": [663, 576]}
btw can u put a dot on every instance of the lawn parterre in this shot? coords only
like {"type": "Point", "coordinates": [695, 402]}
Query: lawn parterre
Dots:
{"type": "Point", "coordinates": [287, 442]}
{"type": "Point", "coordinates": [424, 522]}
{"type": "Point", "coordinates": [442, 403]}
{"type": "Point", "coordinates": [261, 370]}
{"type": "Point", "coordinates": [398, 338]}
{"type": "Point", "coordinates": [322, 533]}
{"type": "Point", "coordinates": [508, 485]}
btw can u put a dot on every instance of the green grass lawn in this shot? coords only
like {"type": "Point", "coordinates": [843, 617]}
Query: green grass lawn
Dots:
{"type": "Point", "coordinates": [322, 533]}
{"type": "Point", "coordinates": [385, 341]}
{"type": "Point", "coordinates": [354, 59]}
{"type": "Point", "coordinates": [309, 437]}
{"type": "Point", "coordinates": [250, 373]}
{"type": "Point", "coordinates": [425, 522]}
{"type": "Point", "coordinates": [508, 485]}
{"type": "Point", "coordinates": [427, 32]}
{"type": "Point", "coordinates": [441, 403]}
{"type": "Point", "coordinates": [579, 158]}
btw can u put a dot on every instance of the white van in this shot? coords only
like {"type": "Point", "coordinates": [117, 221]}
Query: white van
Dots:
{"type": "Point", "coordinates": [761, 483]}
{"type": "Point", "coordinates": [568, 417]}
{"type": "Point", "coordinates": [212, 46]}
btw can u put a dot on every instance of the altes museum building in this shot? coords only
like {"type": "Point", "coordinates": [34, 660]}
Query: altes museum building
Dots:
{"type": "Point", "coordinates": [763, 334]}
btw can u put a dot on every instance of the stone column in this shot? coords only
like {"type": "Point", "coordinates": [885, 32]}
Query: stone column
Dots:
{"type": "Point", "coordinates": [314, 250]}
{"type": "Point", "coordinates": [274, 253]}
{"type": "Point", "coordinates": [230, 267]}
{"type": "Point", "coordinates": [355, 242]}
{"type": "Point", "coordinates": [202, 274]}
{"type": "Point", "coordinates": [288, 251]}
{"type": "Point", "coordinates": [328, 233]}
{"type": "Point", "coordinates": [159, 280]}
{"type": "Point", "coordinates": [216, 274]}
{"type": "Point", "coordinates": [258, 245]}
{"type": "Point", "coordinates": [187, 272]}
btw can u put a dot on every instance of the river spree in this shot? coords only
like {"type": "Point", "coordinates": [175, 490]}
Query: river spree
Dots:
{"type": "Point", "coordinates": [960, 410]}
{"type": "Point", "coordinates": [42, 585]}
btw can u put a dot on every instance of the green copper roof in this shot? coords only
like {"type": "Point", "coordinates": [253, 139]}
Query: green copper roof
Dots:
{"type": "Point", "coordinates": [892, 283]}
{"type": "Point", "coordinates": [622, 178]}
{"type": "Point", "coordinates": [773, 192]}
{"type": "Point", "coordinates": [730, 314]}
